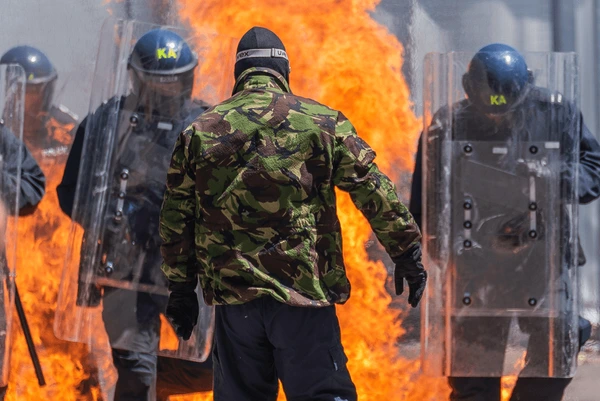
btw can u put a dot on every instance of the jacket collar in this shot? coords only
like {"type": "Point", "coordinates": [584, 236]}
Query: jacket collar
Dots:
{"type": "Point", "coordinates": [259, 77]}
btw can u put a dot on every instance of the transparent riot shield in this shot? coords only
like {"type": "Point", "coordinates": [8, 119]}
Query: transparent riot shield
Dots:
{"type": "Point", "coordinates": [500, 219]}
{"type": "Point", "coordinates": [143, 97]}
{"type": "Point", "coordinates": [48, 136]}
{"type": "Point", "coordinates": [12, 98]}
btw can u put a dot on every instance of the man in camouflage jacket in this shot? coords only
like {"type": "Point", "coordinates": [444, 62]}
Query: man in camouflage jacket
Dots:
{"type": "Point", "coordinates": [250, 210]}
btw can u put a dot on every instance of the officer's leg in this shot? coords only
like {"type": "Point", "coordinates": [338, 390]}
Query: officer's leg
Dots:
{"type": "Point", "coordinates": [538, 361]}
{"type": "Point", "coordinates": [475, 388]}
{"type": "Point", "coordinates": [131, 320]}
{"type": "Point", "coordinates": [550, 388]}
{"type": "Point", "coordinates": [478, 349]}
{"type": "Point", "coordinates": [177, 376]}
{"type": "Point", "coordinates": [137, 372]}
{"type": "Point", "coordinates": [3, 392]}
{"type": "Point", "coordinates": [309, 356]}
{"type": "Point", "coordinates": [242, 356]}
{"type": "Point", "coordinates": [478, 345]}
{"type": "Point", "coordinates": [539, 389]}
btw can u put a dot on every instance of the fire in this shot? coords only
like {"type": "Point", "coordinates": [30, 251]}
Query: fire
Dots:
{"type": "Point", "coordinates": [341, 57]}
{"type": "Point", "coordinates": [42, 239]}
{"type": "Point", "coordinates": [508, 382]}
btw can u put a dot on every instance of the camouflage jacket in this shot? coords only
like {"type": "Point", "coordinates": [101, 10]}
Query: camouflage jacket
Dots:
{"type": "Point", "coordinates": [250, 205]}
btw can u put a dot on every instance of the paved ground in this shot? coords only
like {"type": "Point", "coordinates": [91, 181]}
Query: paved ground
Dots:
{"type": "Point", "coordinates": [586, 384]}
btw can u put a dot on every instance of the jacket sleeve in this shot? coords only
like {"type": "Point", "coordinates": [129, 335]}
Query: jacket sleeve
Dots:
{"type": "Point", "coordinates": [372, 192]}
{"type": "Point", "coordinates": [589, 166]}
{"type": "Point", "coordinates": [68, 185]}
{"type": "Point", "coordinates": [33, 181]}
{"type": "Point", "coordinates": [177, 215]}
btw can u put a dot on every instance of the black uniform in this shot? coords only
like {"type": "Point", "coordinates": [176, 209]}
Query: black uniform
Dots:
{"type": "Point", "coordinates": [532, 120]}
{"type": "Point", "coordinates": [33, 182]}
{"type": "Point", "coordinates": [142, 150]}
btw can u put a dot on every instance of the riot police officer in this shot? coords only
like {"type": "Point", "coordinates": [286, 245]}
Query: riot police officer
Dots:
{"type": "Point", "coordinates": [32, 189]}
{"type": "Point", "coordinates": [22, 186]}
{"type": "Point", "coordinates": [47, 129]}
{"type": "Point", "coordinates": [503, 106]}
{"type": "Point", "coordinates": [148, 119]}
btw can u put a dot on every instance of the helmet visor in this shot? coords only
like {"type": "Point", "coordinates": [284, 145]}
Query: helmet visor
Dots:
{"type": "Point", "coordinates": [38, 98]}
{"type": "Point", "coordinates": [163, 94]}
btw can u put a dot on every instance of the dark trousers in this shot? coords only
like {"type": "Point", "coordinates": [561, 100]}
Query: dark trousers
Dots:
{"type": "Point", "coordinates": [178, 376]}
{"type": "Point", "coordinates": [137, 374]}
{"type": "Point", "coordinates": [262, 341]}
{"type": "Point", "coordinates": [488, 389]}
{"type": "Point", "coordinates": [132, 321]}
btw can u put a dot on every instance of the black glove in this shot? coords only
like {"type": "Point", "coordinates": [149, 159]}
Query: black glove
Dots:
{"type": "Point", "coordinates": [182, 308]}
{"type": "Point", "coordinates": [409, 267]}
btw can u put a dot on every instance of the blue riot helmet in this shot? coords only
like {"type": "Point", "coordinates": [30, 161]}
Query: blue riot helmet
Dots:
{"type": "Point", "coordinates": [41, 80]}
{"type": "Point", "coordinates": [497, 79]}
{"type": "Point", "coordinates": [161, 68]}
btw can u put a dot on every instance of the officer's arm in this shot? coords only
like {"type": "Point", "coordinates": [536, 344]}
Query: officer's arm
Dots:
{"type": "Point", "coordinates": [33, 181]}
{"type": "Point", "coordinates": [177, 215]}
{"type": "Point", "coordinates": [434, 170]}
{"type": "Point", "coordinates": [372, 192]}
{"type": "Point", "coordinates": [589, 166]}
{"type": "Point", "coordinates": [68, 185]}
{"type": "Point", "coordinates": [416, 198]}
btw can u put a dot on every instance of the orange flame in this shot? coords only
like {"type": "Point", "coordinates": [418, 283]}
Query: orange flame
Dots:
{"type": "Point", "coordinates": [509, 382]}
{"type": "Point", "coordinates": [339, 56]}
{"type": "Point", "coordinates": [42, 239]}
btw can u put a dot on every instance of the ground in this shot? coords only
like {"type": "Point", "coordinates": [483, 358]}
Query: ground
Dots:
{"type": "Point", "coordinates": [586, 384]}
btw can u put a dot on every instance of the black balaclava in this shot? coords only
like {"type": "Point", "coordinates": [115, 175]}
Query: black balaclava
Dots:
{"type": "Point", "coordinates": [264, 39]}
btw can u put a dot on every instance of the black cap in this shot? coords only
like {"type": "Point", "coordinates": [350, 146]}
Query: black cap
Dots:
{"type": "Point", "coordinates": [260, 47]}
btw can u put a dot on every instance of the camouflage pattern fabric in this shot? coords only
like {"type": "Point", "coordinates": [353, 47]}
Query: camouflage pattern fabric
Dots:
{"type": "Point", "coordinates": [250, 202]}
